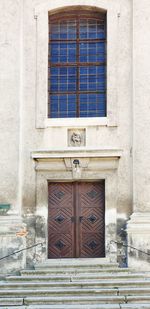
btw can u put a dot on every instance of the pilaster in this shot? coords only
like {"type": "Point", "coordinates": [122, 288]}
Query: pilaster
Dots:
{"type": "Point", "coordinates": [138, 230]}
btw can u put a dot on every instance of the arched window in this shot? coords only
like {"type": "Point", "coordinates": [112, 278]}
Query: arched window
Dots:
{"type": "Point", "coordinates": [77, 64]}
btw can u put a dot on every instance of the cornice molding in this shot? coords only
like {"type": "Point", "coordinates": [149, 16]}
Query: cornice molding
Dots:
{"type": "Point", "coordinates": [76, 153]}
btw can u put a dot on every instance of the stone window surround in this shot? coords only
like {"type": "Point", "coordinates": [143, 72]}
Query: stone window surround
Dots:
{"type": "Point", "coordinates": [41, 17]}
{"type": "Point", "coordinates": [53, 166]}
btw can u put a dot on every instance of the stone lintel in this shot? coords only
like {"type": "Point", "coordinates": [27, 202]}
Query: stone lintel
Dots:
{"type": "Point", "coordinates": [91, 160]}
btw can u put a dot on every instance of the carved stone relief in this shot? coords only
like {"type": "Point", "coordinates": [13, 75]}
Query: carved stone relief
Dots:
{"type": "Point", "coordinates": [76, 137]}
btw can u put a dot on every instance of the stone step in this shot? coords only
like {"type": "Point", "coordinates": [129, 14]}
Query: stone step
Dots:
{"type": "Point", "coordinates": [138, 298]}
{"type": "Point", "coordinates": [78, 277]}
{"type": "Point", "coordinates": [91, 306]}
{"type": "Point", "coordinates": [135, 306]}
{"type": "Point", "coordinates": [102, 262]}
{"type": "Point", "coordinates": [11, 301]}
{"type": "Point", "coordinates": [74, 291]}
{"type": "Point", "coordinates": [83, 306]}
{"type": "Point", "coordinates": [134, 291]}
{"type": "Point", "coordinates": [14, 307]}
{"type": "Point", "coordinates": [71, 270]}
{"type": "Point", "coordinates": [87, 300]}
{"type": "Point", "coordinates": [76, 266]}
{"type": "Point", "coordinates": [72, 299]}
{"type": "Point", "coordinates": [23, 291]}
{"type": "Point", "coordinates": [75, 284]}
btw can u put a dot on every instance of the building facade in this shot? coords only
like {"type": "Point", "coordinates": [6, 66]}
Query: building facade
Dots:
{"type": "Point", "coordinates": [77, 183]}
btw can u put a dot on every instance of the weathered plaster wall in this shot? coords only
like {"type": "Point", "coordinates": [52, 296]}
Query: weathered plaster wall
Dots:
{"type": "Point", "coordinates": [10, 133]}
{"type": "Point", "coordinates": [10, 65]}
{"type": "Point", "coordinates": [141, 92]}
{"type": "Point", "coordinates": [139, 224]}
{"type": "Point", "coordinates": [52, 135]}
{"type": "Point", "coordinates": [27, 75]}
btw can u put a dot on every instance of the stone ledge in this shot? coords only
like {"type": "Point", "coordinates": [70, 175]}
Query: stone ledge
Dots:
{"type": "Point", "coordinates": [63, 160]}
{"type": "Point", "coordinates": [72, 153]}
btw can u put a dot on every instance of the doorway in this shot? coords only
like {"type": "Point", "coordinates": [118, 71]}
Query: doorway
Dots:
{"type": "Point", "coordinates": [76, 219]}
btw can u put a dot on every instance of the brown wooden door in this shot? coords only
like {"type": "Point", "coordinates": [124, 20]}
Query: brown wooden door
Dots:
{"type": "Point", "coordinates": [76, 219]}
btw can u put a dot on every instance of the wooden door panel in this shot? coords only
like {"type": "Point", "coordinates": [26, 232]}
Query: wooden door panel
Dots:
{"type": "Point", "coordinates": [60, 225]}
{"type": "Point", "coordinates": [92, 220]}
{"type": "Point", "coordinates": [91, 205]}
{"type": "Point", "coordinates": [76, 220]}
{"type": "Point", "coordinates": [60, 246]}
{"type": "Point", "coordinates": [60, 220]}
{"type": "Point", "coordinates": [92, 246]}
{"type": "Point", "coordinates": [60, 195]}
{"type": "Point", "coordinates": [91, 193]}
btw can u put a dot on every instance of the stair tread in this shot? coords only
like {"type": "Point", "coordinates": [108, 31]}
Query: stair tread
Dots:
{"type": "Point", "coordinates": [74, 281]}
{"type": "Point", "coordinates": [80, 276]}
{"type": "Point", "coordinates": [79, 296]}
{"type": "Point", "coordinates": [11, 301]}
{"type": "Point", "coordinates": [58, 290]}
{"type": "Point", "coordinates": [80, 288]}
{"type": "Point", "coordinates": [76, 284]}
{"type": "Point", "coordinates": [91, 306]}
{"type": "Point", "coordinates": [76, 261]}
{"type": "Point", "coordinates": [70, 269]}
{"type": "Point", "coordinates": [84, 306]}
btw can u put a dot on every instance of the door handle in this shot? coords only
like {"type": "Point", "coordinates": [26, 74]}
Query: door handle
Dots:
{"type": "Point", "coordinates": [80, 218]}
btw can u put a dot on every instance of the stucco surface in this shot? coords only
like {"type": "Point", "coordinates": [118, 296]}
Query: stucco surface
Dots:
{"type": "Point", "coordinates": [141, 95]}
{"type": "Point", "coordinates": [25, 127]}
{"type": "Point", "coordinates": [10, 20]}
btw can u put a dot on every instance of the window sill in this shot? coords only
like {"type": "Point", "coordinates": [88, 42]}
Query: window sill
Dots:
{"type": "Point", "coordinates": [76, 122]}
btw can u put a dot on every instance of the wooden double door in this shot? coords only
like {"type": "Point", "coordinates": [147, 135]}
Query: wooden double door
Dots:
{"type": "Point", "coordinates": [76, 212]}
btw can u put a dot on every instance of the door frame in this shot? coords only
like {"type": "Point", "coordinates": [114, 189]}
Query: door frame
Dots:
{"type": "Point", "coordinates": [57, 167]}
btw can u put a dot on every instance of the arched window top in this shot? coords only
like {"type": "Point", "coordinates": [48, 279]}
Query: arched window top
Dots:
{"type": "Point", "coordinates": [77, 11]}
{"type": "Point", "coordinates": [77, 63]}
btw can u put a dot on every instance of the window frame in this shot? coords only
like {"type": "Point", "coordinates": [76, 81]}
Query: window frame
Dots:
{"type": "Point", "coordinates": [77, 15]}
{"type": "Point", "coordinates": [41, 14]}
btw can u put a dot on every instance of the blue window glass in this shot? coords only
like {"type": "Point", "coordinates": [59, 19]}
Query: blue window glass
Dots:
{"type": "Point", "coordinates": [63, 79]}
{"type": "Point", "coordinates": [63, 105]}
{"type": "Point", "coordinates": [77, 65]}
{"type": "Point", "coordinates": [91, 29]}
{"type": "Point", "coordinates": [63, 30]}
{"type": "Point", "coordinates": [92, 52]}
{"type": "Point", "coordinates": [62, 52]}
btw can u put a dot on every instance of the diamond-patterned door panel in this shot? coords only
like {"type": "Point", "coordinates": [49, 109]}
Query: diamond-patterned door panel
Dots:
{"type": "Point", "coordinates": [76, 220]}
{"type": "Point", "coordinates": [92, 245]}
{"type": "Point", "coordinates": [60, 225]}
{"type": "Point", "coordinates": [92, 226]}
{"type": "Point", "coordinates": [60, 246]}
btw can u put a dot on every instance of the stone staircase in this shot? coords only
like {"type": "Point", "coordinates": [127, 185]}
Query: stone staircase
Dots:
{"type": "Point", "coordinates": [76, 284]}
